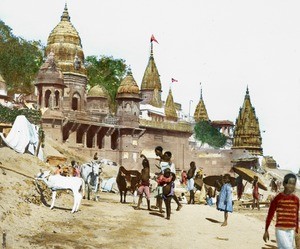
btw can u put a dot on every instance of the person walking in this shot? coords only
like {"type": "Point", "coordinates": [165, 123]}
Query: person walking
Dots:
{"type": "Point", "coordinates": [225, 198]}
{"type": "Point", "coordinates": [286, 206]}
{"type": "Point", "coordinates": [190, 182]}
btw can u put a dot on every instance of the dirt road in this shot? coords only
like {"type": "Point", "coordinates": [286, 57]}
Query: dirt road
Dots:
{"type": "Point", "coordinates": [110, 224]}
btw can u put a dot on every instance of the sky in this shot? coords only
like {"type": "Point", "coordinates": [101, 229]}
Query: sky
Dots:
{"type": "Point", "coordinates": [225, 45]}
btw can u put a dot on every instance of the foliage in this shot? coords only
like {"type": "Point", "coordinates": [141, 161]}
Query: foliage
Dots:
{"type": "Point", "coordinates": [8, 115]}
{"type": "Point", "coordinates": [106, 72]}
{"type": "Point", "coordinates": [206, 133]}
{"type": "Point", "coordinates": [20, 60]}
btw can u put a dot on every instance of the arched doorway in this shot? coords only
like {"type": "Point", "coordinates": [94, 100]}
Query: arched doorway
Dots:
{"type": "Point", "coordinates": [75, 102]}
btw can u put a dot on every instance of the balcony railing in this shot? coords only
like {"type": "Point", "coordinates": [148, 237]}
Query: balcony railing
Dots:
{"type": "Point", "coordinates": [180, 126]}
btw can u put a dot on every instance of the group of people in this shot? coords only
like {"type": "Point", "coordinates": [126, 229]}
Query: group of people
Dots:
{"type": "Point", "coordinates": [285, 204]}
{"type": "Point", "coordinates": [165, 179]}
{"type": "Point", "coordinates": [72, 170]}
{"type": "Point", "coordinates": [165, 190]}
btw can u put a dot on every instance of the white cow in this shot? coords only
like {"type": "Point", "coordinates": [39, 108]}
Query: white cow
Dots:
{"type": "Point", "coordinates": [58, 182]}
{"type": "Point", "coordinates": [90, 172]}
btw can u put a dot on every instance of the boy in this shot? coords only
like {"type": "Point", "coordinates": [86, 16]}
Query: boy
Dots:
{"type": "Point", "coordinates": [145, 183]}
{"type": "Point", "coordinates": [286, 206]}
{"type": "Point", "coordinates": [190, 182]}
{"type": "Point", "coordinates": [225, 198]}
{"type": "Point", "coordinates": [166, 182]}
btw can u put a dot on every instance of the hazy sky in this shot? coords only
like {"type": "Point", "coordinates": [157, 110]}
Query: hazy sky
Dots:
{"type": "Point", "coordinates": [226, 45]}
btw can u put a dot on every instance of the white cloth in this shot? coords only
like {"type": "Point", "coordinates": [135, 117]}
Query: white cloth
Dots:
{"type": "Point", "coordinates": [285, 238]}
{"type": "Point", "coordinates": [167, 165]}
{"type": "Point", "coordinates": [172, 168]}
{"type": "Point", "coordinates": [190, 184]}
{"type": "Point", "coordinates": [23, 135]}
{"type": "Point", "coordinates": [107, 184]}
{"type": "Point", "coordinates": [164, 166]}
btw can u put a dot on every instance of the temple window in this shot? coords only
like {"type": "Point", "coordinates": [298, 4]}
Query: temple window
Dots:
{"type": "Point", "coordinates": [57, 98]}
{"type": "Point", "coordinates": [47, 98]}
{"type": "Point", "coordinates": [75, 102]}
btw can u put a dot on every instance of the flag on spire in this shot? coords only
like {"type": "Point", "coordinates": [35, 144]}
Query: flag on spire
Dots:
{"type": "Point", "coordinates": [173, 80]}
{"type": "Point", "coordinates": [152, 39]}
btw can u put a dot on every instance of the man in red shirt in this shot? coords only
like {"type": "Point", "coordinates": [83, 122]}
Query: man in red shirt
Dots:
{"type": "Point", "coordinates": [286, 206]}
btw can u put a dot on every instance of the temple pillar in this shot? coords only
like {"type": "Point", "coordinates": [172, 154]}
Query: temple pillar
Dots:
{"type": "Point", "coordinates": [84, 139]}
{"type": "Point", "coordinates": [107, 142]}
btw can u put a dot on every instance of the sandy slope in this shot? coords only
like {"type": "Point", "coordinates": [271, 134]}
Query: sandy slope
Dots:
{"type": "Point", "coordinates": [28, 223]}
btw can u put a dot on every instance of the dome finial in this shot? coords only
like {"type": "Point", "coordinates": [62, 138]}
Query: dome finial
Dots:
{"type": "Point", "coordinates": [152, 39]}
{"type": "Point", "coordinates": [129, 71]}
{"type": "Point", "coordinates": [247, 90]}
{"type": "Point", "coordinates": [200, 90]}
{"type": "Point", "coordinates": [151, 50]}
{"type": "Point", "coordinates": [65, 16]}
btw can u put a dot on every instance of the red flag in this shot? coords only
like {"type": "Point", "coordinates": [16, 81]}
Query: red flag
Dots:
{"type": "Point", "coordinates": [173, 80]}
{"type": "Point", "coordinates": [153, 39]}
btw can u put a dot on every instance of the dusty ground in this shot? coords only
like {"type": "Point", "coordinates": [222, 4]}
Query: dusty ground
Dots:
{"type": "Point", "coordinates": [27, 222]}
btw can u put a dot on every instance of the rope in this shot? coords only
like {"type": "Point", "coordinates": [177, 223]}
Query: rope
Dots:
{"type": "Point", "coordinates": [17, 172]}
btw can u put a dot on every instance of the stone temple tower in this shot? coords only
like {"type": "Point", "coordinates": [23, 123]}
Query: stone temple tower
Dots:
{"type": "Point", "coordinates": [170, 109]}
{"type": "Point", "coordinates": [65, 43]}
{"type": "Point", "coordinates": [50, 85]}
{"type": "Point", "coordinates": [200, 113]}
{"type": "Point", "coordinates": [128, 99]}
{"type": "Point", "coordinates": [151, 85]}
{"type": "Point", "coordinates": [247, 132]}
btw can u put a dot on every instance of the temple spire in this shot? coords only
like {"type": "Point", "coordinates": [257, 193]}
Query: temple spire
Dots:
{"type": "Point", "coordinates": [170, 109]}
{"type": "Point", "coordinates": [201, 112]}
{"type": "Point", "coordinates": [151, 85]}
{"type": "Point", "coordinates": [247, 132]}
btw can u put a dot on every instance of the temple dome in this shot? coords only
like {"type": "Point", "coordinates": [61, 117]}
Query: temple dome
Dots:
{"type": "Point", "coordinates": [97, 91]}
{"type": "Point", "coordinates": [128, 85]}
{"type": "Point", "coordinates": [65, 42]}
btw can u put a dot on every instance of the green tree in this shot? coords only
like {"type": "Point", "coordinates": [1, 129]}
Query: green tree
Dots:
{"type": "Point", "coordinates": [206, 133]}
{"type": "Point", "coordinates": [106, 72]}
{"type": "Point", "coordinates": [20, 61]}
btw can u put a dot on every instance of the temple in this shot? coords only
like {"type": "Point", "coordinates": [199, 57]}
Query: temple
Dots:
{"type": "Point", "coordinates": [247, 132]}
{"type": "Point", "coordinates": [201, 112]}
{"type": "Point", "coordinates": [81, 118]}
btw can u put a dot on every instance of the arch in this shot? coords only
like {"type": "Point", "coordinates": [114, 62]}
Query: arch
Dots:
{"type": "Point", "coordinates": [56, 104]}
{"type": "Point", "coordinates": [114, 140]}
{"type": "Point", "coordinates": [47, 98]}
{"type": "Point", "coordinates": [75, 101]}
